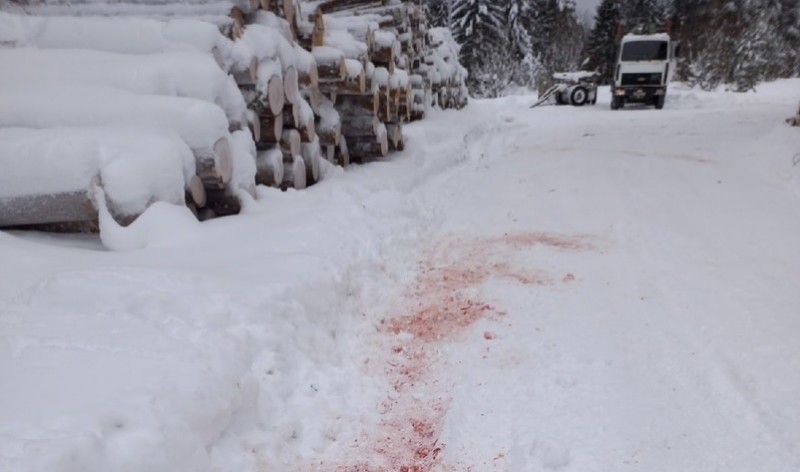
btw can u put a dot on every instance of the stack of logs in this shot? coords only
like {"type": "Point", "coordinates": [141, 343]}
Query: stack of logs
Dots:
{"type": "Point", "coordinates": [331, 80]}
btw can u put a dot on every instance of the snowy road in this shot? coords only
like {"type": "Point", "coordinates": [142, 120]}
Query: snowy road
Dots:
{"type": "Point", "coordinates": [521, 290]}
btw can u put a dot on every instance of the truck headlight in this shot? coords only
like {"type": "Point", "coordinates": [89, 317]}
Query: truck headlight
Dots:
{"type": "Point", "coordinates": [619, 92]}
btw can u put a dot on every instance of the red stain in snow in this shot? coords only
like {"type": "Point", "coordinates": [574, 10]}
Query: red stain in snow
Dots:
{"type": "Point", "coordinates": [553, 240]}
{"type": "Point", "coordinates": [446, 300]}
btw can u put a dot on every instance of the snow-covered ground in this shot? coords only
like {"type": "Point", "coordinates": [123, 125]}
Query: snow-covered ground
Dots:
{"type": "Point", "coordinates": [521, 290]}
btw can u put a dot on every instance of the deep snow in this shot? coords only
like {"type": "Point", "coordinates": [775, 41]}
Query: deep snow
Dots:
{"type": "Point", "coordinates": [522, 289]}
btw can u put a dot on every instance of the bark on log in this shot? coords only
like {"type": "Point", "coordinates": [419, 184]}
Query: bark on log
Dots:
{"type": "Point", "coordinates": [360, 125]}
{"type": "Point", "coordinates": [223, 202]}
{"type": "Point", "coordinates": [64, 207]}
{"type": "Point", "coordinates": [366, 149]}
{"type": "Point", "coordinates": [366, 104]}
{"type": "Point", "coordinates": [271, 129]}
{"type": "Point", "coordinates": [331, 65]}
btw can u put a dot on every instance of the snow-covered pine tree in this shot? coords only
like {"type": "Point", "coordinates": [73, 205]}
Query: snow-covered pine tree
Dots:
{"type": "Point", "coordinates": [570, 38]}
{"type": "Point", "coordinates": [601, 47]}
{"type": "Point", "coordinates": [519, 16]}
{"type": "Point", "coordinates": [480, 27]}
{"type": "Point", "coordinates": [645, 16]}
{"type": "Point", "coordinates": [690, 25]}
{"type": "Point", "coordinates": [789, 27]}
{"type": "Point", "coordinates": [438, 12]}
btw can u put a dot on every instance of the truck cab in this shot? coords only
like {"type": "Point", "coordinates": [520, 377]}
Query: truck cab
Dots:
{"type": "Point", "coordinates": [645, 64]}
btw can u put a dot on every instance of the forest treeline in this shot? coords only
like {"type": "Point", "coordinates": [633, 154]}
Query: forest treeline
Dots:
{"type": "Point", "coordinates": [507, 44]}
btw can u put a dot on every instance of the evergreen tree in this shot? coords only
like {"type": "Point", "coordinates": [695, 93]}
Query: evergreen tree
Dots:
{"type": "Point", "coordinates": [601, 46]}
{"type": "Point", "coordinates": [438, 12]}
{"type": "Point", "coordinates": [480, 27]}
{"type": "Point", "coordinates": [519, 16]}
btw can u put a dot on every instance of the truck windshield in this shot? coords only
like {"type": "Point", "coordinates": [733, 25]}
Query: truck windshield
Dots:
{"type": "Point", "coordinates": [644, 51]}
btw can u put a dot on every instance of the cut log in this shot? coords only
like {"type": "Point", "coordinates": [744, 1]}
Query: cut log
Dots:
{"type": "Point", "coordinates": [366, 104]}
{"type": "Point", "coordinates": [329, 127]}
{"type": "Point", "coordinates": [385, 105]}
{"type": "Point", "coordinates": [318, 33]}
{"type": "Point", "coordinates": [395, 136]}
{"type": "Point", "coordinates": [290, 142]}
{"type": "Point", "coordinates": [254, 123]}
{"type": "Point", "coordinates": [306, 64]}
{"type": "Point", "coordinates": [312, 154]}
{"type": "Point", "coordinates": [223, 202]}
{"type": "Point", "coordinates": [329, 152]}
{"type": "Point", "coordinates": [275, 95]}
{"type": "Point", "coordinates": [196, 191]}
{"type": "Point", "coordinates": [269, 168]}
{"type": "Point", "coordinates": [314, 98]}
{"type": "Point", "coordinates": [342, 154]}
{"type": "Point", "coordinates": [331, 65]}
{"type": "Point", "coordinates": [306, 124]}
{"type": "Point", "coordinates": [294, 172]}
{"type": "Point", "coordinates": [64, 207]}
{"type": "Point", "coordinates": [290, 84]}
{"type": "Point", "coordinates": [354, 83]}
{"type": "Point", "coordinates": [367, 149]}
{"type": "Point", "coordinates": [360, 125]}
{"type": "Point", "coordinates": [291, 115]}
{"type": "Point", "coordinates": [271, 128]}
{"type": "Point", "coordinates": [214, 166]}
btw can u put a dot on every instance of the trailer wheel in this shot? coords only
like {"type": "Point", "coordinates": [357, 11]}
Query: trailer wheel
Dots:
{"type": "Point", "coordinates": [578, 96]}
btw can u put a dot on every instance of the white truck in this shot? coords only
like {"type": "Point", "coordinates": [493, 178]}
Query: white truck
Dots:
{"type": "Point", "coordinates": [645, 64]}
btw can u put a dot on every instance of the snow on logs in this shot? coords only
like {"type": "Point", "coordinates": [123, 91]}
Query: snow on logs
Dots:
{"type": "Point", "coordinates": [258, 91]}
{"type": "Point", "coordinates": [135, 168]}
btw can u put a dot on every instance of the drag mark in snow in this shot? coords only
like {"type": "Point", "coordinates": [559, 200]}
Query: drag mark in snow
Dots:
{"type": "Point", "coordinates": [445, 301]}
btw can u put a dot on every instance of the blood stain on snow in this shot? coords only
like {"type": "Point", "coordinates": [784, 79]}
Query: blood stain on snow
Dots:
{"type": "Point", "coordinates": [446, 300]}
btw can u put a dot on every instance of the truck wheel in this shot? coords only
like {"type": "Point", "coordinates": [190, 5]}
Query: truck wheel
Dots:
{"type": "Point", "coordinates": [617, 103]}
{"type": "Point", "coordinates": [578, 96]}
{"type": "Point", "coordinates": [660, 102]}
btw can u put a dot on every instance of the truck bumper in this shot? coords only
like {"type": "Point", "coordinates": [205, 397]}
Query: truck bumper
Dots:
{"type": "Point", "coordinates": [639, 94]}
